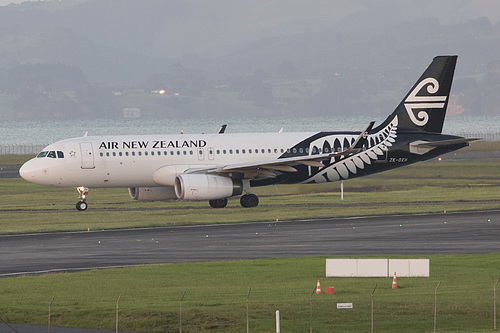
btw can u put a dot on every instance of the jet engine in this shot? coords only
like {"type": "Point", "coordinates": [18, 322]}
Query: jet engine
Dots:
{"type": "Point", "coordinates": [206, 187]}
{"type": "Point", "coordinates": [152, 193]}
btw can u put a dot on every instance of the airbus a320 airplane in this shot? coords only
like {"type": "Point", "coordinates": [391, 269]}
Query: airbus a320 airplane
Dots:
{"type": "Point", "coordinates": [216, 167]}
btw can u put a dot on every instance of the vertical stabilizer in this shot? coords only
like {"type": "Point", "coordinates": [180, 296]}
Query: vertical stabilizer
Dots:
{"type": "Point", "coordinates": [424, 107]}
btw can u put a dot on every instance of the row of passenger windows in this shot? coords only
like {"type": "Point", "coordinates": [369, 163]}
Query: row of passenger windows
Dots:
{"type": "Point", "coordinates": [218, 152]}
{"type": "Point", "coordinates": [51, 154]}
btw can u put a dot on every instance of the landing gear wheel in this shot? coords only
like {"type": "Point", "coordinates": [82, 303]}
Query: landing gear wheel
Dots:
{"type": "Point", "coordinates": [81, 206]}
{"type": "Point", "coordinates": [218, 203]}
{"type": "Point", "coordinates": [249, 200]}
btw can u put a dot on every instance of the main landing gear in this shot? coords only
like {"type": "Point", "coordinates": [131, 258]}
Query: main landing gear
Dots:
{"type": "Point", "coordinates": [82, 204]}
{"type": "Point", "coordinates": [247, 201]}
{"type": "Point", "coordinates": [218, 203]}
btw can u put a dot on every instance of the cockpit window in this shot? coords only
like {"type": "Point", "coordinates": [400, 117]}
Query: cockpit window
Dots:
{"type": "Point", "coordinates": [51, 154]}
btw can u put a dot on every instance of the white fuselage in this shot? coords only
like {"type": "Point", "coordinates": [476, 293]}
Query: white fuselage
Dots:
{"type": "Point", "coordinates": [131, 161]}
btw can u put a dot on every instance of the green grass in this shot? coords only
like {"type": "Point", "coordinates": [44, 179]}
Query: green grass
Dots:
{"type": "Point", "coordinates": [428, 187]}
{"type": "Point", "coordinates": [216, 292]}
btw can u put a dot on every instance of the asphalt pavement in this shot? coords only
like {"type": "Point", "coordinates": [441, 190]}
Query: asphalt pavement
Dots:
{"type": "Point", "coordinates": [451, 233]}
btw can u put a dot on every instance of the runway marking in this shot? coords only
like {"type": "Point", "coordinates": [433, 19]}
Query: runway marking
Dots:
{"type": "Point", "coordinates": [67, 270]}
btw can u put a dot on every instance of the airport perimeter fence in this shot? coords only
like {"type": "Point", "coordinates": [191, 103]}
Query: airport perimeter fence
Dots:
{"type": "Point", "coordinates": [21, 149]}
{"type": "Point", "coordinates": [485, 136]}
{"type": "Point", "coordinates": [373, 310]}
{"type": "Point", "coordinates": [35, 149]}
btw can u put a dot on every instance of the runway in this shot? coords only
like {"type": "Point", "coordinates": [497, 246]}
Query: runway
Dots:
{"type": "Point", "coordinates": [457, 233]}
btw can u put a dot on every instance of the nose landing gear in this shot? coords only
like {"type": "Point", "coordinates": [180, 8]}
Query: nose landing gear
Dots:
{"type": "Point", "coordinates": [82, 204]}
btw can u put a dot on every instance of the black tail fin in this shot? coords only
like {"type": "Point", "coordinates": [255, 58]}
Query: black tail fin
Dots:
{"type": "Point", "coordinates": [424, 107]}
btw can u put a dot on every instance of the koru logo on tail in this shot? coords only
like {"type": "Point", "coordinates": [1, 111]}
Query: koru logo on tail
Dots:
{"type": "Point", "coordinates": [414, 103]}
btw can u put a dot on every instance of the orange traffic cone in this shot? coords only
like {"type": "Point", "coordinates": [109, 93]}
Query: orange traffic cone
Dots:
{"type": "Point", "coordinates": [394, 283]}
{"type": "Point", "coordinates": [318, 288]}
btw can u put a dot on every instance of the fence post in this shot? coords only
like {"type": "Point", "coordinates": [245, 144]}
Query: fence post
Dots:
{"type": "Point", "coordinates": [180, 313]}
{"type": "Point", "coordinates": [495, 305]}
{"type": "Point", "coordinates": [311, 310]}
{"type": "Point", "coordinates": [373, 292]}
{"type": "Point", "coordinates": [50, 305]}
{"type": "Point", "coordinates": [248, 296]}
{"type": "Point", "coordinates": [118, 300]}
{"type": "Point", "coordinates": [435, 305]}
{"type": "Point", "coordinates": [278, 326]}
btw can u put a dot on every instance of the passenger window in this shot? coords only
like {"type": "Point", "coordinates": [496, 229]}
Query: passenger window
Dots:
{"type": "Point", "coordinates": [243, 151]}
{"type": "Point", "coordinates": [114, 154]}
{"type": "Point", "coordinates": [107, 154]}
{"type": "Point", "coordinates": [133, 153]}
{"type": "Point", "coordinates": [263, 151]}
{"type": "Point", "coordinates": [60, 154]}
{"type": "Point", "coordinates": [230, 151]}
{"type": "Point", "coordinates": [145, 153]}
{"type": "Point", "coordinates": [237, 151]}
{"type": "Point", "coordinates": [102, 154]}
{"type": "Point", "coordinates": [126, 153]}
{"type": "Point", "coordinates": [51, 154]}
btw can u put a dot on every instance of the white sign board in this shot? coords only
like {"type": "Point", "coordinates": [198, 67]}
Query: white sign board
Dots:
{"type": "Point", "coordinates": [409, 267]}
{"type": "Point", "coordinates": [344, 305]}
{"type": "Point", "coordinates": [377, 267]}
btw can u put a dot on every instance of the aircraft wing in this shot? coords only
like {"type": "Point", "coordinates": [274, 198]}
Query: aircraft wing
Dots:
{"type": "Point", "coordinates": [287, 164]}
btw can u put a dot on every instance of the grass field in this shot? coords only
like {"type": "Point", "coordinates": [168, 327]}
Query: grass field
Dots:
{"type": "Point", "coordinates": [422, 187]}
{"type": "Point", "coordinates": [216, 292]}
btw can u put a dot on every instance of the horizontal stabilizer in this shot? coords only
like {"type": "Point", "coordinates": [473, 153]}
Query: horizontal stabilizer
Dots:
{"type": "Point", "coordinates": [435, 144]}
{"type": "Point", "coordinates": [423, 147]}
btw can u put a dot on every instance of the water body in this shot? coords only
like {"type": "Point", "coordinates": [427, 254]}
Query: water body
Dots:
{"type": "Point", "coordinates": [45, 132]}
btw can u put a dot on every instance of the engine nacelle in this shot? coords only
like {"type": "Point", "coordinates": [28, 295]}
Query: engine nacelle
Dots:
{"type": "Point", "coordinates": [206, 187]}
{"type": "Point", "coordinates": [152, 193]}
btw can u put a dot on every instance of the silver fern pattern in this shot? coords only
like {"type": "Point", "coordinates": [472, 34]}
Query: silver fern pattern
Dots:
{"type": "Point", "coordinates": [343, 167]}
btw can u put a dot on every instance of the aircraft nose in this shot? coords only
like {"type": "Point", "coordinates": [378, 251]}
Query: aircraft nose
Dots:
{"type": "Point", "coordinates": [29, 171]}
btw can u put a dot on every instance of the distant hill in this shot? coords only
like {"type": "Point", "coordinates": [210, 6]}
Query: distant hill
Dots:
{"type": "Point", "coordinates": [359, 54]}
